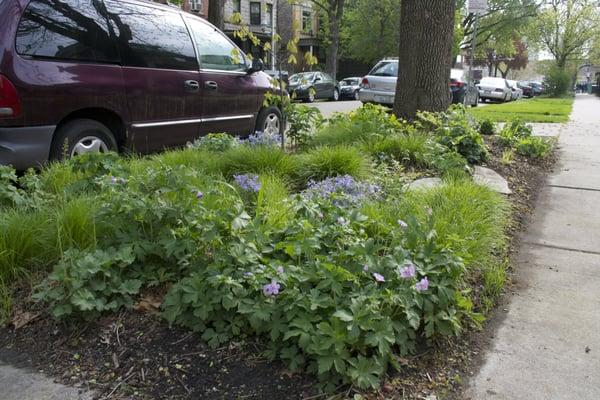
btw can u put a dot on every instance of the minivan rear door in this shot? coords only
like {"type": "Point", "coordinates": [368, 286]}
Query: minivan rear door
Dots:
{"type": "Point", "coordinates": [229, 93]}
{"type": "Point", "coordinates": [161, 74]}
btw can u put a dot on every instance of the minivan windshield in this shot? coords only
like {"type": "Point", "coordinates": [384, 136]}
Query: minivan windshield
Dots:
{"type": "Point", "coordinates": [304, 77]}
{"type": "Point", "coordinates": [385, 68]}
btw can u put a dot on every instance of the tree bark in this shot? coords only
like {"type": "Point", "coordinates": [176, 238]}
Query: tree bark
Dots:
{"type": "Point", "coordinates": [335, 14]}
{"type": "Point", "coordinates": [425, 56]}
{"type": "Point", "coordinates": [216, 13]}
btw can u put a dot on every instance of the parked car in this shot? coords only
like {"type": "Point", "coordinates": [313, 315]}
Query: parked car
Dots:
{"type": "Point", "coordinates": [517, 92]}
{"type": "Point", "coordinates": [285, 76]}
{"type": "Point", "coordinates": [538, 88]}
{"type": "Point", "coordinates": [349, 88]}
{"type": "Point", "coordinates": [526, 88]}
{"type": "Point", "coordinates": [494, 89]}
{"type": "Point", "coordinates": [110, 75]}
{"type": "Point", "coordinates": [462, 91]}
{"type": "Point", "coordinates": [379, 85]}
{"type": "Point", "coordinates": [310, 86]}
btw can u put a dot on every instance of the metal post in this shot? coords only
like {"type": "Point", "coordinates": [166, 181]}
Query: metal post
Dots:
{"type": "Point", "coordinates": [473, 47]}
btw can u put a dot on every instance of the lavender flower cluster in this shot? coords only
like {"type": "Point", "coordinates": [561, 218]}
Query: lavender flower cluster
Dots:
{"type": "Point", "coordinates": [249, 183]}
{"type": "Point", "coordinates": [259, 138]}
{"type": "Point", "coordinates": [345, 187]}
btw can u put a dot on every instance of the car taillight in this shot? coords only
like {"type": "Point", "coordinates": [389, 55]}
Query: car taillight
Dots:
{"type": "Point", "coordinates": [457, 84]}
{"type": "Point", "coordinates": [10, 104]}
{"type": "Point", "coordinates": [365, 83]}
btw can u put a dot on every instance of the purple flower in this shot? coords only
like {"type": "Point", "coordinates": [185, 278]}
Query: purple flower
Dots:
{"type": "Point", "coordinates": [342, 221]}
{"type": "Point", "coordinates": [249, 183]}
{"type": "Point", "coordinates": [402, 224]}
{"type": "Point", "coordinates": [366, 268]}
{"type": "Point", "coordinates": [280, 270]}
{"type": "Point", "coordinates": [260, 138]}
{"type": "Point", "coordinates": [113, 180]}
{"type": "Point", "coordinates": [378, 277]}
{"type": "Point", "coordinates": [409, 271]}
{"type": "Point", "coordinates": [199, 195]}
{"type": "Point", "coordinates": [271, 289]}
{"type": "Point", "coordinates": [422, 285]}
{"type": "Point", "coordinates": [345, 190]}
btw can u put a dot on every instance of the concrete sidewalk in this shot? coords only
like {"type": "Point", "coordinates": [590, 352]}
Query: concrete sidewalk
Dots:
{"type": "Point", "coordinates": [548, 347]}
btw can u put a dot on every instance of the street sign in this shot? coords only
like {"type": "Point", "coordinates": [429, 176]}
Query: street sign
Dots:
{"type": "Point", "coordinates": [478, 6]}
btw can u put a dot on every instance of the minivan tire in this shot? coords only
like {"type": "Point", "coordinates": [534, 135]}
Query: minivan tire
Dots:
{"type": "Point", "coordinates": [268, 116]}
{"type": "Point", "coordinates": [90, 135]}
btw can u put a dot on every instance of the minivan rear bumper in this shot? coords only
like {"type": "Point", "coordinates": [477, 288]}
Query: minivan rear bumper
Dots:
{"type": "Point", "coordinates": [25, 147]}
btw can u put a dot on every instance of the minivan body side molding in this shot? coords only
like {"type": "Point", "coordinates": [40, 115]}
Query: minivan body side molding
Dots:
{"type": "Point", "coordinates": [190, 121]}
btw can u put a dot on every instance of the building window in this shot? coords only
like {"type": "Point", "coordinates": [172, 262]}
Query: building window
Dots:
{"type": "Point", "coordinates": [237, 6]}
{"type": "Point", "coordinates": [307, 22]}
{"type": "Point", "coordinates": [255, 13]}
{"type": "Point", "coordinates": [269, 10]}
{"type": "Point", "coordinates": [195, 5]}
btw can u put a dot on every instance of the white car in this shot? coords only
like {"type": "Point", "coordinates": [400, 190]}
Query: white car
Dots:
{"type": "Point", "coordinates": [496, 89]}
{"type": "Point", "coordinates": [379, 86]}
{"type": "Point", "coordinates": [517, 92]}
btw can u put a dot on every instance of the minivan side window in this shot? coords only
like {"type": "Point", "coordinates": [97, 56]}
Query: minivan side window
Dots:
{"type": "Point", "coordinates": [66, 30]}
{"type": "Point", "coordinates": [215, 50]}
{"type": "Point", "coordinates": [150, 37]}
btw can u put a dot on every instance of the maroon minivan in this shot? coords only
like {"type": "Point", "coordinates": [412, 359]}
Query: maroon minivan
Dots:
{"type": "Point", "coordinates": [78, 76]}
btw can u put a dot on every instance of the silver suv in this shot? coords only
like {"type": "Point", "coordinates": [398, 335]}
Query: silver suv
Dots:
{"type": "Point", "coordinates": [379, 86]}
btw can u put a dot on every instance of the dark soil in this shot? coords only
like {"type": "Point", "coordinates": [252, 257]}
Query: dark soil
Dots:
{"type": "Point", "coordinates": [135, 355]}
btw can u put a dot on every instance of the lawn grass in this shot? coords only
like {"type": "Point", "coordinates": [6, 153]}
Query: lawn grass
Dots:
{"type": "Point", "coordinates": [529, 110]}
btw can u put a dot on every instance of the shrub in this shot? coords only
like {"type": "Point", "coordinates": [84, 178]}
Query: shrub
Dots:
{"type": "Point", "coordinates": [487, 127]}
{"type": "Point", "coordinates": [301, 121]}
{"type": "Point", "coordinates": [320, 295]}
{"type": "Point", "coordinates": [557, 81]}
{"type": "Point", "coordinates": [416, 150]}
{"type": "Point", "coordinates": [368, 123]}
{"type": "Point", "coordinates": [324, 162]}
{"type": "Point", "coordinates": [455, 129]}
{"type": "Point", "coordinates": [519, 137]}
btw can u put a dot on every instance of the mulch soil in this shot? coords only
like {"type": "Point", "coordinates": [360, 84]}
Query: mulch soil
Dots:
{"type": "Point", "coordinates": [136, 355]}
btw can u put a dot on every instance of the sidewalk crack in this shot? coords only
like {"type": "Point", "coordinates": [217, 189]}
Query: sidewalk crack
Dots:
{"type": "Point", "coordinates": [552, 246]}
{"type": "Point", "coordinates": [574, 188]}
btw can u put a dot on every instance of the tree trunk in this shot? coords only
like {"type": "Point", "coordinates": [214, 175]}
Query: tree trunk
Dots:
{"type": "Point", "coordinates": [425, 57]}
{"type": "Point", "coordinates": [335, 13]}
{"type": "Point", "coordinates": [216, 15]}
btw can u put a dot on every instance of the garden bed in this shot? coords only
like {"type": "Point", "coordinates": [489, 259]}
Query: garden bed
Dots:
{"type": "Point", "coordinates": [350, 180]}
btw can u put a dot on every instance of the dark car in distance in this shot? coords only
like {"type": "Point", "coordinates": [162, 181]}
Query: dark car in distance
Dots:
{"type": "Point", "coordinates": [526, 88]}
{"type": "Point", "coordinates": [349, 88]}
{"type": "Point", "coordinates": [311, 86]}
{"type": "Point", "coordinates": [81, 76]}
{"type": "Point", "coordinates": [463, 92]}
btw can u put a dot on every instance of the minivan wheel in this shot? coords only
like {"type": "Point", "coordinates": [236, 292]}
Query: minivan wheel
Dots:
{"type": "Point", "coordinates": [82, 136]}
{"type": "Point", "coordinates": [270, 121]}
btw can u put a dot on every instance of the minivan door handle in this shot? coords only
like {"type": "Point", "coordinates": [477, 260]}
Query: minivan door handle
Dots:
{"type": "Point", "coordinates": [212, 85]}
{"type": "Point", "coordinates": [192, 86]}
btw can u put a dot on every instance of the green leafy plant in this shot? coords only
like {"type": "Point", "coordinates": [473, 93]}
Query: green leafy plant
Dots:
{"type": "Point", "coordinates": [302, 120]}
{"type": "Point", "coordinates": [456, 130]}
{"type": "Point", "coordinates": [325, 162]}
{"type": "Point", "coordinates": [519, 136]}
{"type": "Point", "coordinates": [487, 127]}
